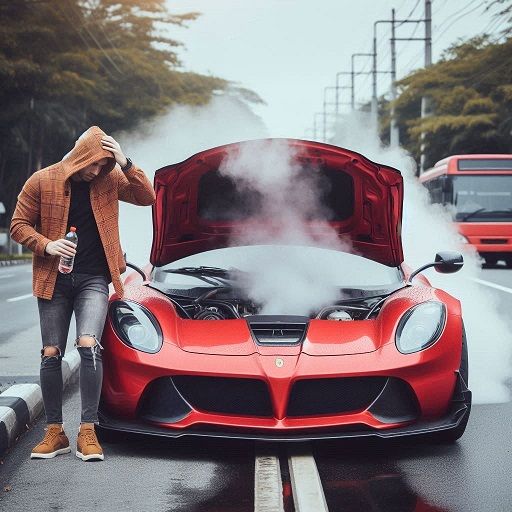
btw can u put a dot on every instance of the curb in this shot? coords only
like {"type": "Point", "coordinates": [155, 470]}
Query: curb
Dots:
{"type": "Point", "coordinates": [21, 404]}
{"type": "Point", "coordinates": [8, 263]}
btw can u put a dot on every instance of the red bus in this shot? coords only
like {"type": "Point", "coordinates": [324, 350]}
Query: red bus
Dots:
{"type": "Point", "coordinates": [477, 189]}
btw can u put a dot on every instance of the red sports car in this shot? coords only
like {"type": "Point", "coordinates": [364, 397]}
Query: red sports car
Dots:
{"type": "Point", "coordinates": [189, 350]}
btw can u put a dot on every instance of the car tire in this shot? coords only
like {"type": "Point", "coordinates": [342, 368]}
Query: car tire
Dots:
{"type": "Point", "coordinates": [450, 436]}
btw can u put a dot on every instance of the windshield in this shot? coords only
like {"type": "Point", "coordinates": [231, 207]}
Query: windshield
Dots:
{"type": "Point", "coordinates": [287, 263]}
{"type": "Point", "coordinates": [482, 198]}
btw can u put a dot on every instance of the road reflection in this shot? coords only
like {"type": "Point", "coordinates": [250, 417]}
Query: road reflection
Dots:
{"type": "Point", "coordinates": [367, 478]}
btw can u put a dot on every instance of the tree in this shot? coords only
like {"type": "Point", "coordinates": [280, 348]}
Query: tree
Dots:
{"type": "Point", "coordinates": [69, 64]}
{"type": "Point", "coordinates": [472, 101]}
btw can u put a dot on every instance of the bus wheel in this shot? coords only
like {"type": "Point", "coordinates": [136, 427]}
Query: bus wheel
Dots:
{"type": "Point", "coordinates": [491, 260]}
{"type": "Point", "coordinates": [508, 261]}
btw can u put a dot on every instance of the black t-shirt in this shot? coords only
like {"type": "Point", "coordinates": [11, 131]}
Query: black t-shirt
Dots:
{"type": "Point", "coordinates": [90, 255]}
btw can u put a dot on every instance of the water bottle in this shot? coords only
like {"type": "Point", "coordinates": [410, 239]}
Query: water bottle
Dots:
{"type": "Point", "coordinates": [66, 262]}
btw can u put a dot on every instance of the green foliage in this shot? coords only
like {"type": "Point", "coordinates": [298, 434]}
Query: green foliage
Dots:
{"type": "Point", "coordinates": [68, 64]}
{"type": "Point", "coordinates": [471, 101]}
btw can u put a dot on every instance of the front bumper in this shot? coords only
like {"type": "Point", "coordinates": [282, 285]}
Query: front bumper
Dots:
{"type": "Point", "coordinates": [459, 410]}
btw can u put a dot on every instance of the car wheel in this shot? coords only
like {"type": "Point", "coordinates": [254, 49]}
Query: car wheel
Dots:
{"type": "Point", "coordinates": [450, 436]}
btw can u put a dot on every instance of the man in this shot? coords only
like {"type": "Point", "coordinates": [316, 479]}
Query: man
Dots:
{"type": "Point", "coordinates": [83, 191]}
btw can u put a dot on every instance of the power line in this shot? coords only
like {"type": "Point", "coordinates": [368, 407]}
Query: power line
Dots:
{"type": "Point", "coordinates": [457, 19]}
{"type": "Point", "coordinates": [93, 37]}
{"type": "Point", "coordinates": [84, 40]}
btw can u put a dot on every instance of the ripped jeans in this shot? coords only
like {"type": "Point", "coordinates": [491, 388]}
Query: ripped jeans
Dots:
{"type": "Point", "coordinates": [87, 296]}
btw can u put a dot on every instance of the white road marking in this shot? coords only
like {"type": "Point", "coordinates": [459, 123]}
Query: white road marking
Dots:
{"type": "Point", "coordinates": [21, 297]}
{"type": "Point", "coordinates": [492, 285]}
{"type": "Point", "coordinates": [308, 494]}
{"type": "Point", "coordinates": [6, 275]}
{"type": "Point", "coordinates": [268, 485]}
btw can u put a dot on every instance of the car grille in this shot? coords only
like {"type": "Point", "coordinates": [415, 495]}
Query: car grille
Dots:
{"type": "Point", "coordinates": [333, 396]}
{"type": "Point", "coordinates": [169, 399]}
{"type": "Point", "coordinates": [244, 397]}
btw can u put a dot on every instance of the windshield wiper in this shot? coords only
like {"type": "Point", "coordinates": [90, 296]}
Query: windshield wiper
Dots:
{"type": "Point", "coordinates": [202, 271]}
{"type": "Point", "coordinates": [481, 210]}
{"type": "Point", "coordinates": [471, 214]}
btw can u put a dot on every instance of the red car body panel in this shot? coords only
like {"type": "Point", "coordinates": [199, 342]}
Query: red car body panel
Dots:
{"type": "Point", "coordinates": [430, 373]}
{"type": "Point", "coordinates": [329, 351]}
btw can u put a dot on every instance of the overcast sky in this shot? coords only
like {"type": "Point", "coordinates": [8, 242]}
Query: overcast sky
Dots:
{"type": "Point", "coordinates": [289, 50]}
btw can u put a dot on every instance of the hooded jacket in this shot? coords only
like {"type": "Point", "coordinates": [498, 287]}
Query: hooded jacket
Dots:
{"type": "Point", "coordinates": [41, 213]}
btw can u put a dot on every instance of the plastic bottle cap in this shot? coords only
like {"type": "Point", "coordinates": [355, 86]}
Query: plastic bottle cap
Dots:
{"type": "Point", "coordinates": [72, 228]}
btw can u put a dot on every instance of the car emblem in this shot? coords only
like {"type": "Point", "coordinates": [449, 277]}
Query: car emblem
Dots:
{"type": "Point", "coordinates": [279, 362]}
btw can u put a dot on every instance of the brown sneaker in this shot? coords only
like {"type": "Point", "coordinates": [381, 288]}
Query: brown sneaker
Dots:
{"type": "Point", "coordinates": [87, 445]}
{"type": "Point", "coordinates": [55, 442]}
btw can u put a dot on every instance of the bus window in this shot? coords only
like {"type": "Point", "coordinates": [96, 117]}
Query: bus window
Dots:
{"type": "Point", "coordinates": [482, 197]}
{"type": "Point", "coordinates": [435, 189]}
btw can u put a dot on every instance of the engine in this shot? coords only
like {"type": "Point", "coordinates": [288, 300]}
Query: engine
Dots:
{"type": "Point", "coordinates": [222, 304]}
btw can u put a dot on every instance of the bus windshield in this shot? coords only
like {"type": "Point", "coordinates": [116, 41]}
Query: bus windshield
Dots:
{"type": "Point", "coordinates": [484, 198]}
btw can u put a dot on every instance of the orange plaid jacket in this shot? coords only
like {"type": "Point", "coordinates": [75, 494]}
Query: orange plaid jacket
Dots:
{"type": "Point", "coordinates": [41, 213]}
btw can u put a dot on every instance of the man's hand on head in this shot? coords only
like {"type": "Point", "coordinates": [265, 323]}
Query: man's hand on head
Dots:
{"type": "Point", "coordinates": [61, 247]}
{"type": "Point", "coordinates": [110, 144]}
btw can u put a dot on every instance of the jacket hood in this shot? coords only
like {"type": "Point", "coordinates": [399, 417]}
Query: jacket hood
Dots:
{"type": "Point", "coordinates": [86, 151]}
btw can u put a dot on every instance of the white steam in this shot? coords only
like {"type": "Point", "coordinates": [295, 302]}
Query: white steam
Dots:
{"type": "Point", "coordinates": [172, 138]}
{"type": "Point", "coordinates": [283, 282]}
{"type": "Point", "coordinates": [428, 229]}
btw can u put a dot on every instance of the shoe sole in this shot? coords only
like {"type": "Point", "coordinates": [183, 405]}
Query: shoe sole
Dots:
{"type": "Point", "coordinates": [93, 456]}
{"type": "Point", "coordinates": [61, 451]}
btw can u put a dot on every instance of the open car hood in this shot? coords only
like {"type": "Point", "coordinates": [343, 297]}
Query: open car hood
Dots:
{"type": "Point", "coordinates": [189, 215]}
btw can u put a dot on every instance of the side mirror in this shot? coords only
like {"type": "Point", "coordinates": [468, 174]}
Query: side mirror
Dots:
{"type": "Point", "coordinates": [446, 262]}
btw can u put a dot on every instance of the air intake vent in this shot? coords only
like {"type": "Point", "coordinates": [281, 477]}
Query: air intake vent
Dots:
{"type": "Point", "coordinates": [278, 329]}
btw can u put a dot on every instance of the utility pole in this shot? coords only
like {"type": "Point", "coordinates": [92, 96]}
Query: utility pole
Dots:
{"type": "Point", "coordinates": [353, 75]}
{"type": "Point", "coordinates": [394, 133]}
{"type": "Point", "coordinates": [426, 105]}
{"type": "Point", "coordinates": [394, 137]}
{"type": "Point", "coordinates": [339, 87]}
{"type": "Point", "coordinates": [325, 110]}
{"type": "Point", "coordinates": [315, 128]}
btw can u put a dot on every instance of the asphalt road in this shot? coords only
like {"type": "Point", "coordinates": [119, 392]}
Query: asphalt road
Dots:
{"type": "Point", "coordinates": [162, 475]}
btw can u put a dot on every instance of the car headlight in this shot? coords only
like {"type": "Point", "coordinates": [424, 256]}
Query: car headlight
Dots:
{"type": "Point", "coordinates": [136, 326]}
{"type": "Point", "coordinates": [420, 327]}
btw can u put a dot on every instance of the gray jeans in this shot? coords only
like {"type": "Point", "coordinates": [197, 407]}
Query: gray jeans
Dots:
{"type": "Point", "coordinates": [87, 296]}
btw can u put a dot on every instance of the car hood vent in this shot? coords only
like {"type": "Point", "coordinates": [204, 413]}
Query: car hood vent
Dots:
{"type": "Point", "coordinates": [278, 329]}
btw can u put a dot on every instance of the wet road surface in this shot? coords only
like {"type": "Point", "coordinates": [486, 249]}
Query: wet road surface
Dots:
{"type": "Point", "coordinates": [474, 474]}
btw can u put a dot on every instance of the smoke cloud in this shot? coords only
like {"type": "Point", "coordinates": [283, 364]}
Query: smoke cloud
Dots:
{"type": "Point", "coordinates": [180, 133]}
{"type": "Point", "coordinates": [428, 229]}
{"type": "Point", "coordinates": [284, 281]}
